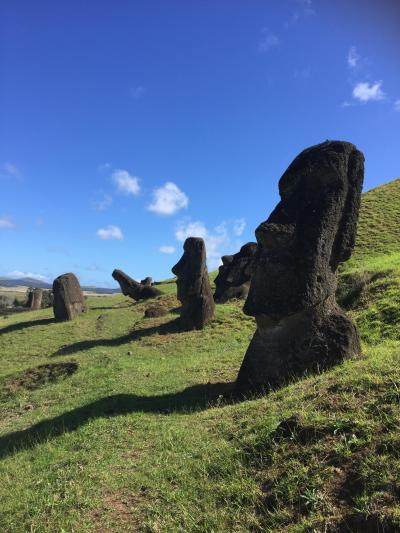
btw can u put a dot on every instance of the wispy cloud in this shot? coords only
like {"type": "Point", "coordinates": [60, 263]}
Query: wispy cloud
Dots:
{"type": "Point", "coordinates": [125, 182]}
{"type": "Point", "coordinates": [168, 199]}
{"type": "Point", "coordinates": [267, 41]}
{"type": "Point", "coordinates": [239, 226]}
{"type": "Point", "coordinates": [103, 203]}
{"type": "Point", "coordinates": [367, 92]}
{"type": "Point", "coordinates": [167, 249]}
{"type": "Point", "coordinates": [16, 274]}
{"type": "Point", "coordinates": [353, 57]}
{"type": "Point", "coordinates": [396, 106]}
{"type": "Point", "coordinates": [6, 222]}
{"type": "Point", "coordinates": [9, 170]}
{"type": "Point", "coordinates": [109, 233]}
{"type": "Point", "coordinates": [137, 92]}
{"type": "Point", "coordinates": [57, 249]}
{"type": "Point", "coordinates": [303, 8]}
{"type": "Point", "coordinates": [104, 167]}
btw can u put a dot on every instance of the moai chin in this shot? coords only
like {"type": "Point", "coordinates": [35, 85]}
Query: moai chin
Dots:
{"type": "Point", "coordinates": [300, 327]}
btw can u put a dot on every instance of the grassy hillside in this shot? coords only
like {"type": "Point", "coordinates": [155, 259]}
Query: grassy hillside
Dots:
{"type": "Point", "coordinates": [133, 430]}
{"type": "Point", "coordinates": [378, 231]}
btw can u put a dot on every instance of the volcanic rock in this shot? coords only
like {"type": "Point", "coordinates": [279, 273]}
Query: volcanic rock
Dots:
{"type": "Point", "coordinates": [300, 327]}
{"type": "Point", "coordinates": [132, 288]}
{"type": "Point", "coordinates": [155, 311]}
{"type": "Point", "coordinates": [193, 284]}
{"type": "Point", "coordinates": [68, 298]}
{"type": "Point", "coordinates": [147, 281]}
{"type": "Point", "coordinates": [234, 276]}
{"type": "Point", "coordinates": [35, 297]}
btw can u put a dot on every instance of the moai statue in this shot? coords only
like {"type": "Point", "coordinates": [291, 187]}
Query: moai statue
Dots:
{"type": "Point", "coordinates": [68, 298]}
{"type": "Point", "coordinates": [132, 288]}
{"type": "Point", "coordinates": [35, 297]}
{"type": "Point", "coordinates": [300, 327]}
{"type": "Point", "coordinates": [234, 276]}
{"type": "Point", "coordinates": [193, 284]}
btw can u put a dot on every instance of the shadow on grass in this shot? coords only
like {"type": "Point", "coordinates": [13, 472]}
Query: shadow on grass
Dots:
{"type": "Point", "coordinates": [195, 398]}
{"type": "Point", "coordinates": [27, 324]}
{"type": "Point", "coordinates": [173, 326]}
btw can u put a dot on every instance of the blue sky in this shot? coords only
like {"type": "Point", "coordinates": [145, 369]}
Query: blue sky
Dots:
{"type": "Point", "coordinates": [128, 125]}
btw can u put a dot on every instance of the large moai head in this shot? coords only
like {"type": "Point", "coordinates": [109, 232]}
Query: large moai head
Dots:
{"type": "Point", "coordinates": [193, 285]}
{"type": "Point", "coordinates": [292, 294]}
{"type": "Point", "coordinates": [68, 298]}
{"type": "Point", "coordinates": [234, 275]}
{"type": "Point", "coordinates": [310, 231]}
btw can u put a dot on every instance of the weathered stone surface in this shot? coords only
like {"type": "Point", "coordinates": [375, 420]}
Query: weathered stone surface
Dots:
{"type": "Point", "coordinates": [68, 298]}
{"type": "Point", "coordinates": [193, 284]}
{"type": "Point", "coordinates": [47, 299]}
{"type": "Point", "coordinates": [35, 297]}
{"type": "Point", "coordinates": [300, 327]}
{"type": "Point", "coordinates": [132, 288]}
{"type": "Point", "coordinates": [234, 276]}
{"type": "Point", "coordinates": [147, 281]}
{"type": "Point", "coordinates": [155, 311]}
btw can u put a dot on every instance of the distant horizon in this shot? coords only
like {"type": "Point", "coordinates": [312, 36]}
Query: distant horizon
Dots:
{"type": "Point", "coordinates": [127, 128]}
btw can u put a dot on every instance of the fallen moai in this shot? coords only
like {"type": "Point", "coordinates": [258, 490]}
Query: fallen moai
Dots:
{"type": "Point", "coordinates": [300, 327]}
{"type": "Point", "coordinates": [234, 275]}
{"type": "Point", "coordinates": [132, 288]}
{"type": "Point", "coordinates": [193, 285]}
{"type": "Point", "coordinates": [68, 298]}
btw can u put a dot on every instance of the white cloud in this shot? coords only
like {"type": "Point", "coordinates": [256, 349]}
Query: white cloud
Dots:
{"type": "Point", "coordinates": [126, 183]}
{"type": "Point", "coordinates": [216, 241]}
{"type": "Point", "coordinates": [9, 170]}
{"type": "Point", "coordinates": [103, 203]}
{"type": "Point", "coordinates": [268, 40]}
{"type": "Point", "coordinates": [397, 105]}
{"type": "Point", "coordinates": [104, 167]}
{"type": "Point", "coordinates": [167, 249]}
{"type": "Point", "coordinates": [6, 223]}
{"type": "Point", "coordinates": [15, 274]}
{"type": "Point", "coordinates": [168, 199]}
{"type": "Point", "coordinates": [137, 92]}
{"type": "Point", "coordinates": [353, 57]}
{"type": "Point", "coordinates": [238, 226]}
{"type": "Point", "coordinates": [365, 92]}
{"type": "Point", "coordinates": [110, 232]}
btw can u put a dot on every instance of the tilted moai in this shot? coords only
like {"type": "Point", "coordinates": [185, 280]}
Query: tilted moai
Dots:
{"type": "Point", "coordinates": [193, 284]}
{"type": "Point", "coordinates": [300, 327]}
{"type": "Point", "coordinates": [132, 288]}
{"type": "Point", "coordinates": [234, 275]}
{"type": "Point", "coordinates": [35, 297]}
{"type": "Point", "coordinates": [68, 298]}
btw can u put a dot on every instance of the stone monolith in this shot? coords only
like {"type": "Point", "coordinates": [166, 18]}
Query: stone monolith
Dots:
{"type": "Point", "coordinates": [234, 275]}
{"type": "Point", "coordinates": [68, 298]}
{"type": "Point", "coordinates": [300, 327]}
{"type": "Point", "coordinates": [193, 284]}
{"type": "Point", "coordinates": [35, 297]}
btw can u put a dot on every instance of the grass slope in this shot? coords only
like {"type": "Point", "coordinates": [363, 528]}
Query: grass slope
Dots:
{"type": "Point", "coordinates": [133, 432]}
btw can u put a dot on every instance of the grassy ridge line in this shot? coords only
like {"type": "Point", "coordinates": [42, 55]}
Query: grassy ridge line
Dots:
{"type": "Point", "coordinates": [378, 230]}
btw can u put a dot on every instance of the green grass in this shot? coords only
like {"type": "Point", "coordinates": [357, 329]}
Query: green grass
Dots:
{"type": "Point", "coordinates": [378, 231]}
{"type": "Point", "coordinates": [143, 436]}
